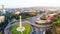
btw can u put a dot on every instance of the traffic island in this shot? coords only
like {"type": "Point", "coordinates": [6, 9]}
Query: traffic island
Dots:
{"type": "Point", "coordinates": [13, 29]}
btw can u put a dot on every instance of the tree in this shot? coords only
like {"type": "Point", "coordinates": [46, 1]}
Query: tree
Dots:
{"type": "Point", "coordinates": [41, 12]}
{"type": "Point", "coordinates": [56, 20]}
{"type": "Point", "coordinates": [48, 31]}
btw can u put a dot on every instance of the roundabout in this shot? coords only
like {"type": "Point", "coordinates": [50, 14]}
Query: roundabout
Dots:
{"type": "Point", "coordinates": [14, 31]}
{"type": "Point", "coordinates": [20, 28]}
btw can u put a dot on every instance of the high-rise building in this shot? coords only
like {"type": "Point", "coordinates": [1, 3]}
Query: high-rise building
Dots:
{"type": "Point", "coordinates": [3, 9]}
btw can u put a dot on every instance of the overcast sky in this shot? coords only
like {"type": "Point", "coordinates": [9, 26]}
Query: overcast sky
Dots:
{"type": "Point", "coordinates": [29, 3]}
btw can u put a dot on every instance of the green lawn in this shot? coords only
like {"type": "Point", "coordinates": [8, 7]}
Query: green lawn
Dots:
{"type": "Point", "coordinates": [0, 32]}
{"type": "Point", "coordinates": [14, 31]}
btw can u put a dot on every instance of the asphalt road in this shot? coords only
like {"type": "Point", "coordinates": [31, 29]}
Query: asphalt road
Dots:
{"type": "Point", "coordinates": [30, 21]}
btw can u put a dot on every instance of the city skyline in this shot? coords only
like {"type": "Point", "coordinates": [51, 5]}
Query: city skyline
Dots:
{"type": "Point", "coordinates": [29, 3]}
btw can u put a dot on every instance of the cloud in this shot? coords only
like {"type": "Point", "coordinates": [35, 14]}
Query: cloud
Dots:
{"type": "Point", "coordinates": [29, 3]}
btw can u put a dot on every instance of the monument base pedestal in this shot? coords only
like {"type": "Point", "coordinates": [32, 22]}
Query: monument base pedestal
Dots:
{"type": "Point", "coordinates": [21, 29]}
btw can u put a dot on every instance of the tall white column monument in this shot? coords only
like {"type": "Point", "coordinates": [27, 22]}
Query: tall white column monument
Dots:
{"type": "Point", "coordinates": [20, 28]}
